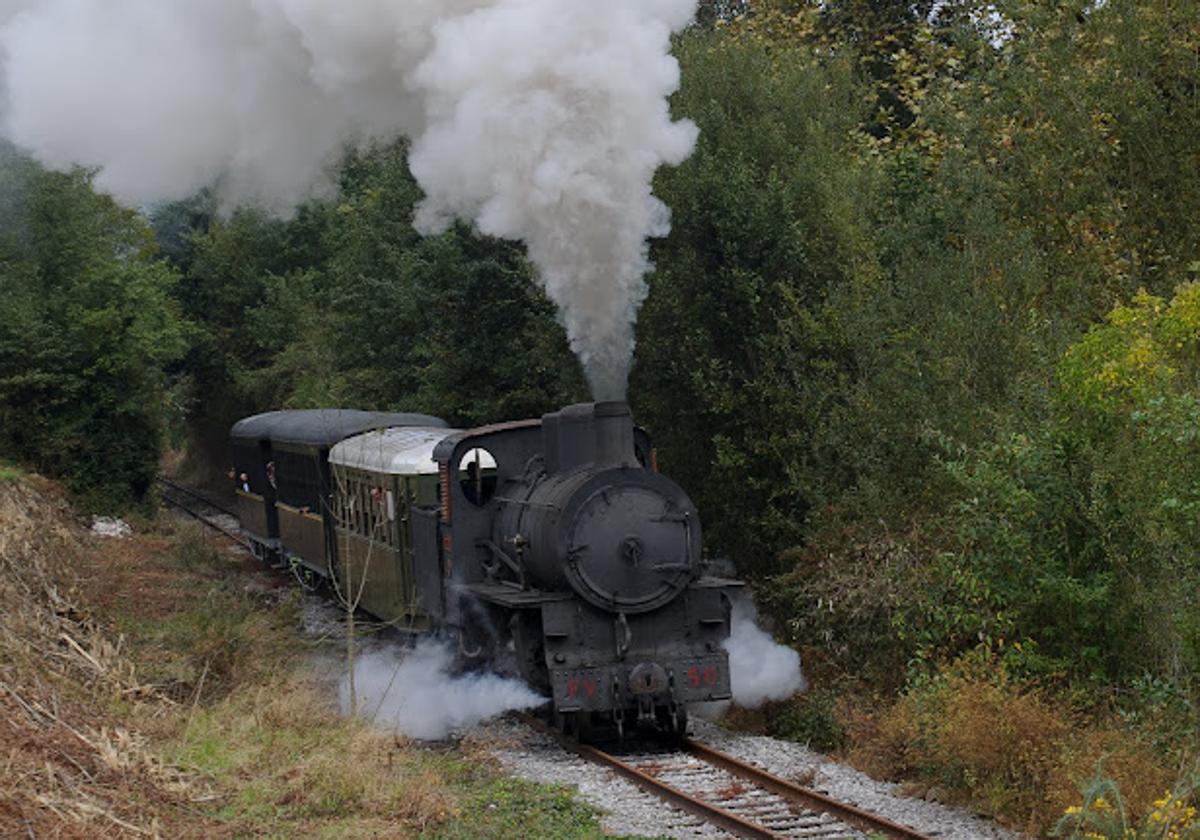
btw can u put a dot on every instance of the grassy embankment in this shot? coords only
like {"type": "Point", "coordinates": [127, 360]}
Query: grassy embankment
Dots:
{"type": "Point", "coordinates": [158, 686]}
{"type": "Point", "coordinates": [1027, 754]}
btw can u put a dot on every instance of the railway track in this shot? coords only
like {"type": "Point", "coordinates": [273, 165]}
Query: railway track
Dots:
{"type": "Point", "coordinates": [194, 504]}
{"type": "Point", "coordinates": [743, 800]}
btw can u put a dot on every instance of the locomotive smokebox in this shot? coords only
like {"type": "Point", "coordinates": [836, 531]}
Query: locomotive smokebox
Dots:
{"type": "Point", "coordinates": [623, 537]}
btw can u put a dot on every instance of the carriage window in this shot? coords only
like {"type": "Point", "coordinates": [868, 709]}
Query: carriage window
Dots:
{"type": "Point", "coordinates": [477, 476]}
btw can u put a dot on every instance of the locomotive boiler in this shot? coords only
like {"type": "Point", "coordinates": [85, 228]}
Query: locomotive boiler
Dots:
{"type": "Point", "coordinates": [550, 547]}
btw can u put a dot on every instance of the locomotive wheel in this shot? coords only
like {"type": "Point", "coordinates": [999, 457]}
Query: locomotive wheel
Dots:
{"type": "Point", "coordinates": [575, 725]}
{"type": "Point", "coordinates": [674, 729]}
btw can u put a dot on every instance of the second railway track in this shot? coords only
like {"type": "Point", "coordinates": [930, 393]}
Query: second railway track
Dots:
{"type": "Point", "coordinates": [200, 507]}
{"type": "Point", "coordinates": [737, 797]}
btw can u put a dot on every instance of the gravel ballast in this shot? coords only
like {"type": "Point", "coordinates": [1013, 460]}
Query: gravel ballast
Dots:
{"type": "Point", "coordinates": [628, 810]}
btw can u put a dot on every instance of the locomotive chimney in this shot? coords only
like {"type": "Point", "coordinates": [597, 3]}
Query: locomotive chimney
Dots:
{"type": "Point", "coordinates": [568, 439]}
{"type": "Point", "coordinates": [588, 433]}
{"type": "Point", "coordinates": [614, 435]}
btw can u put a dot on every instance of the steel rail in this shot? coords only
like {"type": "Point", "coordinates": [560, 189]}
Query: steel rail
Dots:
{"type": "Point", "coordinates": [225, 532]}
{"type": "Point", "coordinates": [805, 798]}
{"type": "Point", "coordinates": [811, 799]}
{"type": "Point", "coordinates": [166, 482]}
{"type": "Point", "coordinates": [709, 813]}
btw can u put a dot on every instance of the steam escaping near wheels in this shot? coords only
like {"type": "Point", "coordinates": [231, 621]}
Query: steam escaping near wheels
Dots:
{"type": "Point", "coordinates": [534, 120]}
{"type": "Point", "coordinates": [416, 693]}
{"type": "Point", "coordinates": [761, 669]}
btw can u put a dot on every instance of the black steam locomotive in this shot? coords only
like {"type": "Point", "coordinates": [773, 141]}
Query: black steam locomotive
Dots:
{"type": "Point", "coordinates": [552, 546]}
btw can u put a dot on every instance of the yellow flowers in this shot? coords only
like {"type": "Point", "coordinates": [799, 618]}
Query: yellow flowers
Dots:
{"type": "Point", "coordinates": [1172, 813]}
{"type": "Point", "coordinates": [1171, 818]}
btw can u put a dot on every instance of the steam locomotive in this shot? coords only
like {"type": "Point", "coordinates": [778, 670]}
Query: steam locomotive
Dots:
{"type": "Point", "coordinates": [553, 548]}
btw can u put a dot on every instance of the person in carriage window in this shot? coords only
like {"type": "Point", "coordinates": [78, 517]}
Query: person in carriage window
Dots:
{"type": "Point", "coordinates": [473, 485]}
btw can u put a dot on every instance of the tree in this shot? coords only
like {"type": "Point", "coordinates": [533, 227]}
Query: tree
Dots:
{"type": "Point", "coordinates": [738, 370]}
{"type": "Point", "coordinates": [87, 329]}
{"type": "Point", "coordinates": [233, 267]}
{"type": "Point", "coordinates": [451, 324]}
{"type": "Point", "coordinates": [346, 304]}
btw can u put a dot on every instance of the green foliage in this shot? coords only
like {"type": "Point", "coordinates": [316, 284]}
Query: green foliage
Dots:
{"type": "Point", "coordinates": [87, 328]}
{"type": "Point", "coordinates": [1130, 402]}
{"type": "Point", "coordinates": [1077, 536]}
{"type": "Point", "coordinates": [952, 456]}
{"type": "Point", "coordinates": [809, 718]}
{"type": "Point", "coordinates": [231, 268]}
{"type": "Point", "coordinates": [769, 221]}
{"type": "Point", "coordinates": [451, 324]}
{"type": "Point", "coordinates": [347, 305]}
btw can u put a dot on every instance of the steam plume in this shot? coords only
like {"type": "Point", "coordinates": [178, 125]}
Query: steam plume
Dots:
{"type": "Point", "coordinates": [414, 692]}
{"type": "Point", "coordinates": [760, 669]}
{"type": "Point", "coordinates": [537, 120]}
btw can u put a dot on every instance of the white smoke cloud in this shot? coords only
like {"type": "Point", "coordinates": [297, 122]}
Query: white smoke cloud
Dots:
{"type": "Point", "coordinates": [759, 668]}
{"type": "Point", "coordinates": [536, 120]}
{"type": "Point", "coordinates": [571, 110]}
{"type": "Point", "coordinates": [415, 693]}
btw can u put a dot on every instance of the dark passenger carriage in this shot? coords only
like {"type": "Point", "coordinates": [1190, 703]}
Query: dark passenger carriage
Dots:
{"type": "Point", "coordinates": [285, 458]}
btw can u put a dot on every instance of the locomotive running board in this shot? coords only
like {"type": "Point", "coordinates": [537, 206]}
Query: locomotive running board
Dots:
{"type": "Point", "coordinates": [508, 596]}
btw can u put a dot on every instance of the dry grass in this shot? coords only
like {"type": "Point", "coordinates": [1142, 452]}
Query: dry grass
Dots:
{"type": "Point", "coordinates": [70, 768]}
{"type": "Point", "coordinates": [286, 754]}
{"type": "Point", "coordinates": [155, 687]}
{"type": "Point", "coordinates": [1004, 749]}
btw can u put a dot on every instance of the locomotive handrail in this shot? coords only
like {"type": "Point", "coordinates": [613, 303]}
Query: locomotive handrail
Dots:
{"type": "Point", "coordinates": [499, 553]}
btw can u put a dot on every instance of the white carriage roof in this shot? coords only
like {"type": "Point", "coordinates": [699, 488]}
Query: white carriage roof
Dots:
{"type": "Point", "coordinates": [406, 450]}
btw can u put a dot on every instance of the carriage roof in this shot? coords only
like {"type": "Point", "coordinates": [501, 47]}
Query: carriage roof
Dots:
{"type": "Point", "coordinates": [323, 427]}
{"type": "Point", "coordinates": [396, 451]}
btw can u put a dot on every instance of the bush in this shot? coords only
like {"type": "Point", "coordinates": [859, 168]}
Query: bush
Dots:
{"type": "Point", "coordinates": [1003, 746]}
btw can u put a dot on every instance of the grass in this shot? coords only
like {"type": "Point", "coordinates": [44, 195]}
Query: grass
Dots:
{"type": "Point", "coordinates": [9, 473]}
{"type": "Point", "coordinates": [180, 700]}
{"type": "Point", "coordinates": [256, 719]}
{"type": "Point", "coordinates": [292, 766]}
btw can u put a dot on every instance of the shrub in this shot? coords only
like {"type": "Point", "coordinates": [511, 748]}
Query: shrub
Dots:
{"type": "Point", "coordinates": [1005, 747]}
